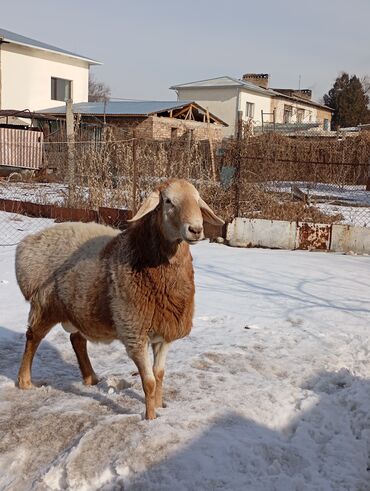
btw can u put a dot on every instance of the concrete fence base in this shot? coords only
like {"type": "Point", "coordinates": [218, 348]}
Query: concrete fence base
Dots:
{"type": "Point", "coordinates": [278, 234]}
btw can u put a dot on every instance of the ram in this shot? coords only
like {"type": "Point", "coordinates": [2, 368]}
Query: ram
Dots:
{"type": "Point", "coordinates": [136, 286]}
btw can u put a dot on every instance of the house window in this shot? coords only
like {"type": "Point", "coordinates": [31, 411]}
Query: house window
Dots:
{"type": "Point", "coordinates": [300, 115]}
{"type": "Point", "coordinates": [61, 89]}
{"type": "Point", "coordinates": [288, 112]}
{"type": "Point", "coordinates": [326, 124]}
{"type": "Point", "coordinates": [173, 133]}
{"type": "Point", "coordinates": [249, 110]}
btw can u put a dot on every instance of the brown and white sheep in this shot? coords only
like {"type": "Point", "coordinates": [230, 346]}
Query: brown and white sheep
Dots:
{"type": "Point", "coordinates": [136, 286]}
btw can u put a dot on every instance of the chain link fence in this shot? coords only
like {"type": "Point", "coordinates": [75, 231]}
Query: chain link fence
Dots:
{"type": "Point", "coordinates": [314, 179]}
{"type": "Point", "coordinates": [271, 176]}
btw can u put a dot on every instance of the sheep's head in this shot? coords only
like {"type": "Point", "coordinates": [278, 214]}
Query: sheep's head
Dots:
{"type": "Point", "coordinates": [181, 211]}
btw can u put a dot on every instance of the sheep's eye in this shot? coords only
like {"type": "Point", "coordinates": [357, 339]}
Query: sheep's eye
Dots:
{"type": "Point", "coordinates": [168, 201]}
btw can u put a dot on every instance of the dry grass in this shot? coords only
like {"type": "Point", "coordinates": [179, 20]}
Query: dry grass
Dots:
{"type": "Point", "coordinates": [110, 173]}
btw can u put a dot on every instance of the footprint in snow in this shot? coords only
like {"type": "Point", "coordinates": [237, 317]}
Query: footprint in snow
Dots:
{"type": "Point", "coordinates": [115, 384]}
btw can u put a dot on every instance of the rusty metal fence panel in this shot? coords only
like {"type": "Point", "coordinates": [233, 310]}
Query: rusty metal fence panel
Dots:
{"type": "Point", "coordinates": [21, 148]}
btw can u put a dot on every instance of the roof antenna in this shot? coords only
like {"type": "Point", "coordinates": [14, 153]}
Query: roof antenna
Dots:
{"type": "Point", "coordinates": [299, 82]}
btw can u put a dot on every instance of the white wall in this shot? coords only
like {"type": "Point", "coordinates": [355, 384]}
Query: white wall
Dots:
{"type": "Point", "coordinates": [310, 112]}
{"type": "Point", "coordinates": [261, 103]}
{"type": "Point", "coordinates": [26, 77]}
{"type": "Point", "coordinates": [222, 102]}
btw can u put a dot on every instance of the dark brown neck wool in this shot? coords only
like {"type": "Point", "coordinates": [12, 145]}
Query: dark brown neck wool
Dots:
{"type": "Point", "coordinates": [149, 249]}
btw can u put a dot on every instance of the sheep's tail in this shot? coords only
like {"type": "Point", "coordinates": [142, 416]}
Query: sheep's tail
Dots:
{"type": "Point", "coordinates": [29, 271]}
{"type": "Point", "coordinates": [36, 311]}
{"type": "Point", "coordinates": [44, 306]}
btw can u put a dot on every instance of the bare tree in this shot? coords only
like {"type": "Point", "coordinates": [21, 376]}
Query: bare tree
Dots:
{"type": "Point", "coordinates": [98, 91]}
{"type": "Point", "coordinates": [365, 80]}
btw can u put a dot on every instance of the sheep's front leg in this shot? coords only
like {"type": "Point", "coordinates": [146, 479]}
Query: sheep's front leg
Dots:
{"type": "Point", "coordinates": [160, 351]}
{"type": "Point", "coordinates": [143, 363]}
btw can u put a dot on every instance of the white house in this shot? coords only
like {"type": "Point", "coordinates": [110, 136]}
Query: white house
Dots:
{"type": "Point", "coordinates": [226, 97]}
{"type": "Point", "coordinates": [35, 75]}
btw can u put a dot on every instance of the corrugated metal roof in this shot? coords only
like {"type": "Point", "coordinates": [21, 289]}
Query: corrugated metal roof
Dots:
{"type": "Point", "coordinates": [210, 82]}
{"type": "Point", "coordinates": [15, 38]}
{"type": "Point", "coordinates": [111, 108]}
{"type": "Point", "coordinates": [224, 81]}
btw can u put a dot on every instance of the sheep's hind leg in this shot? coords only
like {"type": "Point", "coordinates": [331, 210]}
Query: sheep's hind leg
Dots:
{"type": "Point", "coordinates": [143, 363]}
{"type": "Point", "coordinates": [160, 351]}
{"type": "Point", "coordinates": [34, 335]}
{"type": "Point", "coordinates": [79, 345]}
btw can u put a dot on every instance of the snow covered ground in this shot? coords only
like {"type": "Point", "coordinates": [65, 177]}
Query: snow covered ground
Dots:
{"type": "Point", "coordinates": [14, 227]}
{"type": "Point", "coordinates": [35, 192]}
{"type": "Point", "coordinates": [352, 215]}
{"type": "Point", "coordinates": [353, 194]}
{"type": "Point", "coordinates": [350, 201]}
{"type": "Point", "coordinates": [271, 391]}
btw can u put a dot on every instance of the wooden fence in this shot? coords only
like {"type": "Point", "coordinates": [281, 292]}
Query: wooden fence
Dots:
{"type": "Point", "coordinates": [21, 148]}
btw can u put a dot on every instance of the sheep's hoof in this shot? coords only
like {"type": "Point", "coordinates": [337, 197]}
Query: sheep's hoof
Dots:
{"type": "Point", "coordinates": [91, 380]}
{"type": "Point", "coordinates": [25, 384]}
{"type": "Point", "coordinates": [150, 415]}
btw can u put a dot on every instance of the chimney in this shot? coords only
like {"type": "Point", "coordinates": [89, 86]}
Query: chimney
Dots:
{"type": "Point", "coordinates": [304, 93]}
{"type": "Point", "coordinates": [260, 79]}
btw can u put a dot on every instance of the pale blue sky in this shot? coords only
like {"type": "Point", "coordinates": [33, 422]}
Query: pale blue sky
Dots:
{"type": "Point", "coordinates": [146, 46]}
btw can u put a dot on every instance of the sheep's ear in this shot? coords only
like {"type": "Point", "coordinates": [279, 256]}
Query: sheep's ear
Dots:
{"type": "Point", "coordinates": [208, 215]}
{"type": "Point", "coordinates": [151, 202]}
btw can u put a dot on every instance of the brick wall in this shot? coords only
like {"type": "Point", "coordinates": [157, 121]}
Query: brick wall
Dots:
{"type": "Point", "coordinates": [126, 126]}
{"type": "Point", "coordinates": [164, 128]}
{"type": "Point", "coordinates": [161, 128]}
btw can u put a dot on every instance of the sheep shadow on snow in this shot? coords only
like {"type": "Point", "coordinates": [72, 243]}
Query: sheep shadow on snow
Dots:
{"type": "Point", "coordinates": [323, 448]}
{"type": "Point", "coordinates": [50, 369]}
{"type": "Point", "coordinates": [11, 352]}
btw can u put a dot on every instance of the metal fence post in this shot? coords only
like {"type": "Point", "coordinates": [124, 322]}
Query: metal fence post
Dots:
{"type": "Point", "coordinates": [134, 177]}
{"type": "Point", "coordinates": [211, 147]}
{"type": "Point", "coordinates": [239, 136]}
{"type": "Point", "coordinates": [70, 150]}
